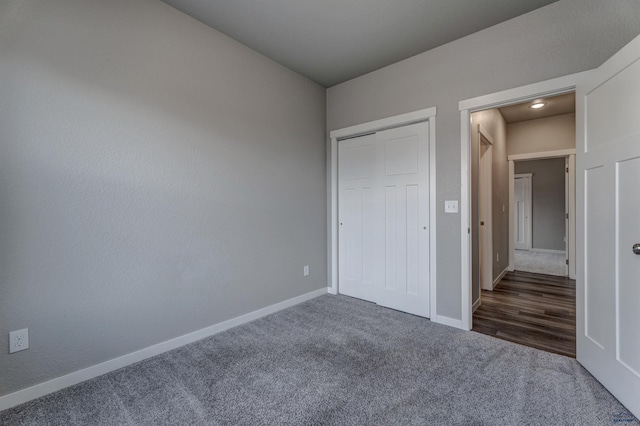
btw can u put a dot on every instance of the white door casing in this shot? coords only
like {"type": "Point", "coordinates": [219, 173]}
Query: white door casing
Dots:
{"type": "Point", "coordinates": [570, 191]}
{"type": "Point", "coordinates": [607, 182]}
{"type": "Point", "coordinates": [522, 211]}
{"type": "Point", "coordinates": [556, 86]}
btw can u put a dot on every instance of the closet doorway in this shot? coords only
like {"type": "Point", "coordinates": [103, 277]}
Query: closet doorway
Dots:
{"type": "Point", "coordinates": [383, 209]}
{"type": "Point", "coordinates": [383, 224]}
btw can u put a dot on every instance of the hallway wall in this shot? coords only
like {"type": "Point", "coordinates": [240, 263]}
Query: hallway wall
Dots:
{"type": "Point", "coordinates": [544, 134]}
{"type": "Point", "coordinates": [493, 123]}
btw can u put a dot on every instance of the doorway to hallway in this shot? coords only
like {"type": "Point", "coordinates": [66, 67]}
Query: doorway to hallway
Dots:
{"type": "Point", "coordinates": [530, 298]}
{"type": "Point", "coordinates": [531, 309]}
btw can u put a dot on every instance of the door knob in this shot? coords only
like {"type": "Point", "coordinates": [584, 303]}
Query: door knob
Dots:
{"type": "Point", "coordinates": [636, 248]}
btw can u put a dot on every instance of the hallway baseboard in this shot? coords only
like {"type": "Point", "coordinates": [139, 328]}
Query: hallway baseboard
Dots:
{"type": "Point", "coordinates": [500, 277]}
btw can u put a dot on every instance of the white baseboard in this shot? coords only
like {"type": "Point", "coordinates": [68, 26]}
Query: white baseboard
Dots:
{"type": "Point", "coordinates": [45, 388]}
{"type": "Point", "coordinates": [537, 250]}
{"type": "Point", "coordinates": [440, 319]}
{"type": "Point", "coordinates": [500, 277]}
{"type": "Point", "coordinates": [476, 304]}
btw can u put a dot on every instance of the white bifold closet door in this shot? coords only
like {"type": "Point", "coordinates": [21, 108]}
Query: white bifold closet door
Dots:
{"type": "Point", "coordinates": [383, 209]}
{"type": "Point", "coordinates": [356, 181]}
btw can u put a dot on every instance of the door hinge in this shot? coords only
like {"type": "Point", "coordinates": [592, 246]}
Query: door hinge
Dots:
{"type": "Point", "coordinates": [567, 215]}
{"type": "Point", "coordinates": [468, 230]}
{"type": "Point", "coordinates": [566, 170]}
{"type": "Point", "coordinates": [567, 261]}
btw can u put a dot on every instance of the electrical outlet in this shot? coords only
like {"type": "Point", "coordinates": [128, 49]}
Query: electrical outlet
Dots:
{"type": "Point", "coordinates": [305, 270]}
{"type": "Point", "coordinates": [18, 340]}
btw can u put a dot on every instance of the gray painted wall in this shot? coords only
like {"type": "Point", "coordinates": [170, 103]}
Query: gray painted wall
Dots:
{"type": "Point", "coordinates": [544, 134]}
{"type": "Point", "coordinates": [156, 177]}
{"type": "Point", "coordinates": [493, 123]}
{"type": "Point", "coordinates": [563, 38]}
{"type": "Point", "coordinates": [547, 201]}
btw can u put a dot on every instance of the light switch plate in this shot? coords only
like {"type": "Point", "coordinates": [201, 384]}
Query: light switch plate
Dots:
{"type": "Point", "coordinates": [451, 206]}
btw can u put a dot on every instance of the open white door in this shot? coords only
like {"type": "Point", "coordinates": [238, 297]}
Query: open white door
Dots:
{"type": "Point", "coordinates": [608, 178]}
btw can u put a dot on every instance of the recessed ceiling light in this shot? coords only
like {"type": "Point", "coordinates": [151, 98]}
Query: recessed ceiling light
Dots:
{"type": "Point", "coordinates": [537, 105]}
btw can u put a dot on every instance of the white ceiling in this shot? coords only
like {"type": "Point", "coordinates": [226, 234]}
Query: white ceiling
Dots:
{"type": "Point", "coordinates": [331, 41]}
{"type": "Point", "coordinates": [556, 105]}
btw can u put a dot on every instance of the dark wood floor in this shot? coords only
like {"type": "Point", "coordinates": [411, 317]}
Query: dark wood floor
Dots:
{"type": "Point", "coordinates": [531, 309]}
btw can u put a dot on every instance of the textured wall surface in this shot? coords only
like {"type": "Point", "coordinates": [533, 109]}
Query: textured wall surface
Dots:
{"type": "Point", "coordinates": [156, 177]}
{"type": "Point", "coordinates": [547, 201]}
{"type": "Point", "coordinates": [565, 37]}
{"type": "Point", "coordinates": [544, 134]}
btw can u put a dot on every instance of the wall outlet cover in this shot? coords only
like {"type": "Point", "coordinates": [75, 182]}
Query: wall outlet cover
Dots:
{"type": "Point", "coordinates": [18, 340]}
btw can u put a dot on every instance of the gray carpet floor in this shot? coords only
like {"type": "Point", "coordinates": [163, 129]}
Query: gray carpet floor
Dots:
{"type": "Point", "coordinates": [337, 360]}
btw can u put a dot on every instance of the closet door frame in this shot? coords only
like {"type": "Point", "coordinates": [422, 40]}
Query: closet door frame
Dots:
{"type": "Point", "coordinates": [429, 115]}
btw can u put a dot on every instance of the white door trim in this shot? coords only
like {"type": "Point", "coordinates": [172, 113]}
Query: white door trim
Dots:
{"type": "Point", "coordinates": [571, 237]}
{"type": "Point", "coordinates": [529, 92]}
{"type": "Point", "coordinates": [570, 191]}
{"type": "Point", "coordinates": [428, 114]}
{"type": "Point", "coordinates": [542, 155]}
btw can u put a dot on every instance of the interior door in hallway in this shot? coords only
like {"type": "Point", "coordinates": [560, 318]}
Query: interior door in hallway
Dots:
{"type": "Point", "coordinates": [522, 211]}
{"type": "Point", "coordinates": [485, 212]}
